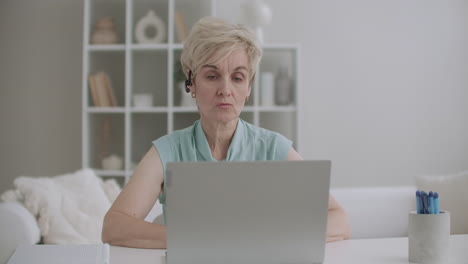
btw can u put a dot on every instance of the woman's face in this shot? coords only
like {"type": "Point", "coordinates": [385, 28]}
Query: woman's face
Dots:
{"type": "Point", "coordinates": [221, 90]}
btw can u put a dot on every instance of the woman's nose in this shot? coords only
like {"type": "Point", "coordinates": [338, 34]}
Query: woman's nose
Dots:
{"type": "Point", "coordinates": [225, 88]}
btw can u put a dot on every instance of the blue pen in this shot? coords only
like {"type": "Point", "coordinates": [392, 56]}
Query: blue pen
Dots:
{"type": "Point", "coordinates": [421, 202]}
{"type": "Point", "coordinates": [436, 203]}
{"type": "Point", "coordinates": [421, 198]}
{"type": "Point", "coordinates": [418, 202]}
{"type": "Point", "coordinates": [424, 202]}
{"type": "Point", "coordinates": [431, 202]}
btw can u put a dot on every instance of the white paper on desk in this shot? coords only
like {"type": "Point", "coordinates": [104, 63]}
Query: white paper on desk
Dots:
{"type": "Point", "coordinates": [59, 254]}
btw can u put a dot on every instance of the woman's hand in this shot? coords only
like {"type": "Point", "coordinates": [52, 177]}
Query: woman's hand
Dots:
{"type": "Point", "coordinates": [338, 223]}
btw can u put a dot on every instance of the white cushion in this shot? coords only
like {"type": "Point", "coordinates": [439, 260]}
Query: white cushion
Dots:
{"type": "Point", "coordinates": [453, 197]}
{"type": "Point", "coordinates": [377, 212]}
{"type": "Point", "coordinates": [17, 227]}
{"type": "Point", "coordinates": [70, 208]}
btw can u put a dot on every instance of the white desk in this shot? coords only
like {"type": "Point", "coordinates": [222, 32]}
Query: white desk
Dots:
{"type": "Point", "coordinates": [362, 251]}
{"type": "Point", "coordinates": [386, 251]}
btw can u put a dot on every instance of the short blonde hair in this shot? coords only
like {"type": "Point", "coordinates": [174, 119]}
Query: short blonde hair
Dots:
{"type": "Point", "coordinates": [212, 39]}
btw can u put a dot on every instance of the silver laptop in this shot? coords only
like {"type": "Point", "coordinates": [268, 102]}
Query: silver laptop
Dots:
{"type": "Point", "coordinates": [247, 212]}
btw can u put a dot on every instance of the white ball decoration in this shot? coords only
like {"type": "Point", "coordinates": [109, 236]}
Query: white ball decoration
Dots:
{"type": "Point", "coordinates": [257, 14]}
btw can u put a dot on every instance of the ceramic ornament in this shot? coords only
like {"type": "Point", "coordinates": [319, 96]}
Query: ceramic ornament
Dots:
{"type": "Point", "coordinates": [150, 20]}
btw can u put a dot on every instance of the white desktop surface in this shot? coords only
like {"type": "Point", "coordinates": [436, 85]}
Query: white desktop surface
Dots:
{"type": "Point", "coordinates": [362, 251]}
{"type": "Point", "coordinates": [387, 251]}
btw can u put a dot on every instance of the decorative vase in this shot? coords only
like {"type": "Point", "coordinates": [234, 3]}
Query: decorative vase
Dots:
{"type": "Point", "coordinates": [104, 32]}
{"type": "Point", "coordinates": [150, 20]}
{"type": "Point", "coordinates": [282, 87]}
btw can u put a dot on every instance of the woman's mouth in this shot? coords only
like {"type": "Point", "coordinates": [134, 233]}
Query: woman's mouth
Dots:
{"type": "Point", "coordinates": [224, 105]}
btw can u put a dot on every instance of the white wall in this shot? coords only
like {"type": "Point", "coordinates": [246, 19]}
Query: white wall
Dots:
{"type": "Point", "coordinates": [40, 88]}
{"type": "Point", "coordinates": [385, 84]}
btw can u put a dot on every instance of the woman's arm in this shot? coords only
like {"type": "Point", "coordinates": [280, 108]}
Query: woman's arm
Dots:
{"type": "Point", "coordinates": [124, 223]}
{"type": "Point", "coordinates": [337, 225]}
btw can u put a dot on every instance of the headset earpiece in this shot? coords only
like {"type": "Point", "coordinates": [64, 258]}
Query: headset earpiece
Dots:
{"type": "Point", "coordinates": [188, 82]}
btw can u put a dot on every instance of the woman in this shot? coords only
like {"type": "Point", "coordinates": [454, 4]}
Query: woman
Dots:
{"type": "Point", "coordinates": [220, 61]}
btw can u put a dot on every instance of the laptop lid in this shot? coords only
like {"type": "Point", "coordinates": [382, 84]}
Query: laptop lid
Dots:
{"type": "Point", "coordinates": [247, 212]}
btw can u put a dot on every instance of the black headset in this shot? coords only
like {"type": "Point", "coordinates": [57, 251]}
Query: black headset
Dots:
{"type": "Point", "coordinates": [188, 82]}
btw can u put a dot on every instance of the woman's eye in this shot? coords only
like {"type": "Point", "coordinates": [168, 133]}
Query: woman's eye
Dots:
{"type": "Point", "coordinates": [212, 77]}
{"type": "Point", "coordinates": [237, 79]}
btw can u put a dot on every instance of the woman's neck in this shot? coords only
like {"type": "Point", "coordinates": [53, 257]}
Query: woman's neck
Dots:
{"type": "Point", "coordinates": [219, 136]}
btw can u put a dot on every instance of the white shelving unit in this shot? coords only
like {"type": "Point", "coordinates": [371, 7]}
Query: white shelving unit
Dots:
{"type": "Point", "coordinates": [149, 68]}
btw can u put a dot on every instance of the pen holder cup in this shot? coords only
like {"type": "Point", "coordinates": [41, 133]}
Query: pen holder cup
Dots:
{"type": "Point", "coordinates": [428, 237]}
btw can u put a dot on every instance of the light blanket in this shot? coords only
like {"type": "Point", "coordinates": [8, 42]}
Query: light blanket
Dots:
{"type": "Point", "coordinates": [69, 208]}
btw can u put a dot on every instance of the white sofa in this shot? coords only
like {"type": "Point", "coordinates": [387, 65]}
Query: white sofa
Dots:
{"type": "Point", "coordinates": [377, 212]}
{"type": "Point", "coordinates": [373, 212]}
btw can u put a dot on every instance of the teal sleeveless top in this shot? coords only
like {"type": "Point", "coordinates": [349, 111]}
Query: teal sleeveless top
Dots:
{"type": "Point", "coordinates": [249, 143]}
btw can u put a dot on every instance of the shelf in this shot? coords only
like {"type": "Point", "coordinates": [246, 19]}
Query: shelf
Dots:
{"type": "Point", "coordinates": [153, 69]}
{"type": "Point", "coordinates": [106, 137]}
{"type": "Point", "coordinates": [113, 65]}
{"type": "Point", "coordinates": [248, 109]}
{"type": "Point", "coordinates": [181, 109]}
{"type": "Point", "coordinates": [178, 46]}
{"type": "Point", "coordinates": [149, 110]}
{"type": "Point", "coordinates": [118, 173]}
{"type": "Point", "coordinates": [106, 110]}
{"type": "Point", "coordinates": [149, 46]}
{"type": "Point", "coordinates": [149, 75]}
{"type": "Point", "coordinates": [114, 47]}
